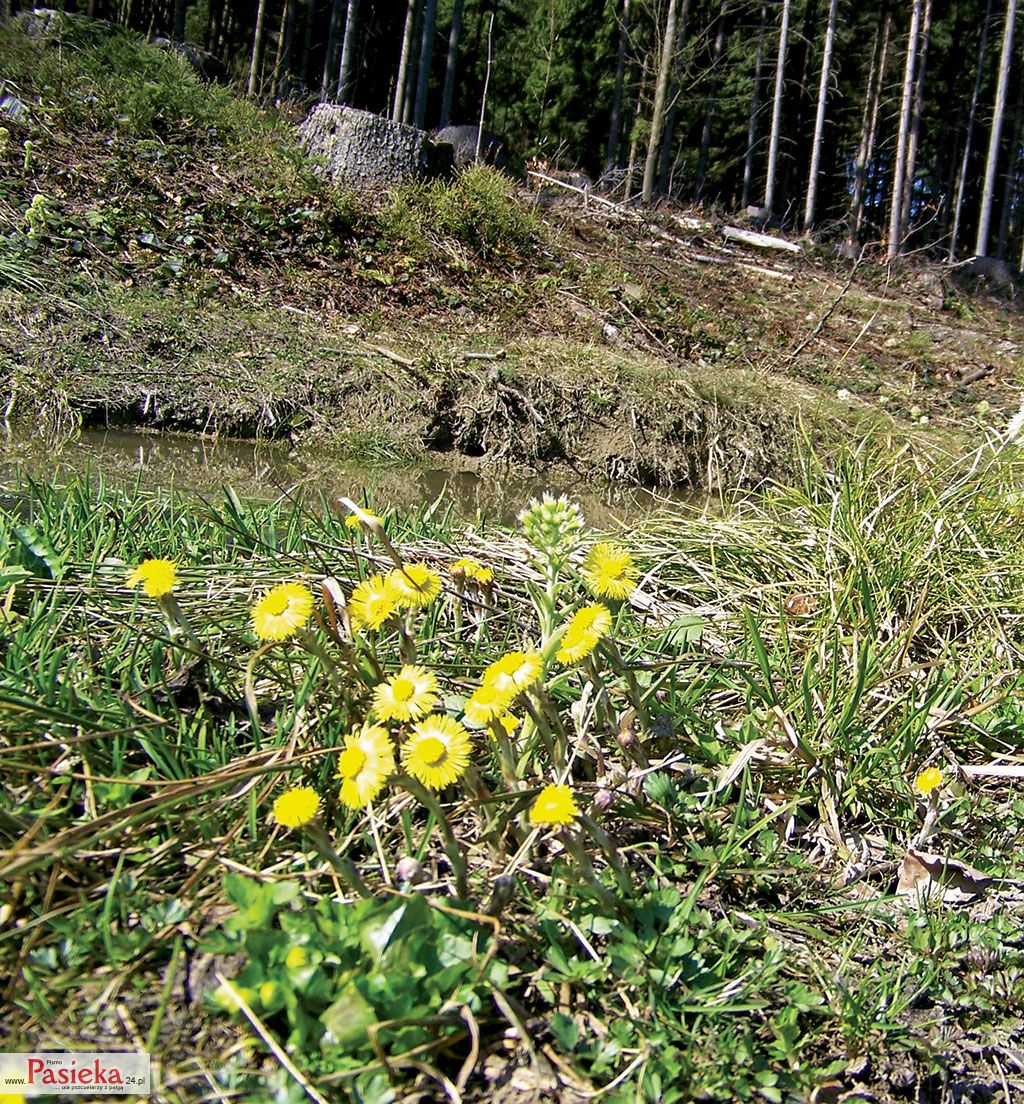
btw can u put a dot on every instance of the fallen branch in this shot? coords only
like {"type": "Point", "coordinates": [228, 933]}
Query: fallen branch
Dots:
{"type": "Point", "coordinates": [759, 241]}
{"type": "Point", "coordinates": [771, 272]}
{"type": "Point", "coordinates": [499, 354]}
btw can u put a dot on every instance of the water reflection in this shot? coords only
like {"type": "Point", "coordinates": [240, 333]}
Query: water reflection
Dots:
{"type": "Point", "coordinates": [263, 470]}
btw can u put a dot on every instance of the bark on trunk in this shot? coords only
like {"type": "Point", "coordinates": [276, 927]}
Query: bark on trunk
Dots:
{"type": "Point", "coordinates": [819, 119]}
{"type": "Point", "coordinates": [915, 124]}
{"type": "Point", "coordinates": [331, 55]}
{"type": "Point", "coordinates": [451, 65]}
{"type": "Point", "coordinates": [634, 145]}
{"type": "Point", "coordinates": [896, 208]}
{"type": "Point", "coordinates": [869, 126]}
{"type": "Point", "coordinates": [178, 27]}
{"type": "Point", "coordinates": [755, 106]}
{"type": "Point", "coordinates": [307, 42]}
{"type": "Point", "coordinates": [972, 116]}
{"type": "Point", "coordinates": [286, 47]}
{"type": "Point", "coordinates": [709, 114]}
{"type": "Point", "coordinates": [398, 108]}
{"type": "Point", "coordinates": [667, 138]}
{"type": "Point", "coordinates": [660, 96]}
{"type": "Point", "coordinates": [1010, 177]}
{"type": "Point", "coordinates": [256, 60]}
{"type": "Point", "coordinates": [346, 70]}
{"type": "Point", "coordinates": [615, 126]}
{"type": "Point", "coordinates": [419, 114]}
{"type": "Point", "coordinates": [992, 161]}
{"type": "Point", "coordinates": [773, 141]}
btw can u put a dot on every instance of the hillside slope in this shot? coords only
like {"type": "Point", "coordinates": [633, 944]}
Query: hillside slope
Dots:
{"type": "Point", "coordinates": [173, 262]}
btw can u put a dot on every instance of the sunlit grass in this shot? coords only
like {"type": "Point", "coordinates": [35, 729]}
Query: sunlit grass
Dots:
{"type": "Point", "coordinates": [673, 867]}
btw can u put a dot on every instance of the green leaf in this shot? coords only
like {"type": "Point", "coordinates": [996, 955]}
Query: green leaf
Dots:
{"type": "Point", "coordinates": [684, 630]}
{"type": "Point", "coordinates": [42, 558]}
{"type": "Point", "coordinates": [565, 1030]}
{"type": "Point", "coordinates": [379, 932]}
{"type": "Point", "coordinates": [256, 903]}
{"type": "Point", "coordinates": [348, 1019]}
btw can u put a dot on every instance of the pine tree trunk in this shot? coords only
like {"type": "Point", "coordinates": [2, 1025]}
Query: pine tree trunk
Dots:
{"type": "Point", "coordinates": [398, 108]}
{"type": "Point", "coordinates": [896, 208]}
{"type": "Point", "coordinates": [419, 115]}
{"type": "Point", "coordinates": [969, 136]}
{"type": "Point", "coordinates": [755, 106]}
{"type": "Point", "coordinates": [1010, 177]}
{"type": "Point", "coordinates": [346, 70]}
{"type": "Point", "coordinates": [256, 59]}
{"type": "Point", "coordinates": [451, 65]}
{"type": "Point", "coordinates": [773, 141]}
{"type": "Point", "coordinates": [705, 137]}
{"type": "Point", "coordinates": [915, 124]}
{"type": "Point", "coordinates": [178, 26]}
{"type": "Point", "coordinates": [275, 73]}
{"type": "Point", "coordinates": [214, 13]}
{"type": "Point", "coordinates": [819, 119]}
{"type": "Point", "coordinates": [307, 42]}
{"type": "Point", "coordinates": [992, 161]}
{"type": "Point", "coordinates": [634, 145]}
{"type": "Point", "coordinates": [611, 158]}
{"type": "Point", "coordinates": [869, 125]}
{"type": "Point", "coordinates": [660, 96]}
{"type": "Point", "coordinates": [286, 47]}
{"type": "Point", "coordinates": [327, 86]}
{"type": "Point", "coordinates": [665, 160]}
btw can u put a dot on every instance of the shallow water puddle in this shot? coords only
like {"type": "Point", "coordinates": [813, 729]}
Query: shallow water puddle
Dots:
{"type": "Point", "coordinates": [265, 470]}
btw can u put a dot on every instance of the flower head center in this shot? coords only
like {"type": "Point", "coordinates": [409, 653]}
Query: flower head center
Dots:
{"type": "Point", "coordinates": [432, 750]}
{"type": "Point", "coordinates": [350, 762]}
{"type": "Point", "coordinates": [275, 604]}
{"type": "Point", "coordinates": [402, 689]}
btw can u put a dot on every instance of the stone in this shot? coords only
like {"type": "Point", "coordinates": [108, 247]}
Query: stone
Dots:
{"type": "Point", "coordinates": [201, 61]}
{"type": "Point", "coordinates": [463, 140]}
{"type": "Point", "coordinates": [368, 152]}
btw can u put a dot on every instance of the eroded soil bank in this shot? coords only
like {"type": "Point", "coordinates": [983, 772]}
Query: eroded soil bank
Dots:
{"type": "Point", "coordinates": [545, 389]}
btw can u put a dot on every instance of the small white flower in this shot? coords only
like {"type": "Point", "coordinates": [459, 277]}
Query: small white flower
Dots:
{"type": "Point", "coordinates": [842, 394]}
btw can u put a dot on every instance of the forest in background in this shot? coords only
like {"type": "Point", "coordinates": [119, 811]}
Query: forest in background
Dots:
{"type": "Point", "coordinates": [819, 112]}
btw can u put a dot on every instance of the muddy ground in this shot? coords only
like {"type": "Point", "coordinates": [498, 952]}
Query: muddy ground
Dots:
{"type": "Point", "coordinates": [650, 352]}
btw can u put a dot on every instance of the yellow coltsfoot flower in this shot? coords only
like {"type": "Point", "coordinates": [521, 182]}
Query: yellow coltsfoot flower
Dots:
{"type": "Point", "coordinates": [487, 702]}
{"type": "Point", "coordinates": [296, 807]}
{"type": "Point", "coordinates": [365, 764]}
{"type": "Point", "coordinates": [156, 577]}
{"type": "Point", "coordinates": [407, 696]}
{"type": "Point", "coordinates": [373, 601]}
{"type": "Point", "coordinates": [282, 611]}
{"type": "Point", "coordinates": [588, 625]}
{"type": "Point", "coordinates": [365, 520]}
{"type": "Point", "coordinates": [514, 671]}
{"type": "Point", "coordinates": [509, 723]}
{"type": "Point", "coordinates": [928, 780]}
{"type": "Point", "coordinates": [469, 570]}
{"type": "Point", "coordinates": [416, 585]}
{"type": "Point", "coordinates": [608, 571]}
{"type": "Point", "coordinates": [554, 806]}
{"type": "Point", "coordinates": [436, 752]}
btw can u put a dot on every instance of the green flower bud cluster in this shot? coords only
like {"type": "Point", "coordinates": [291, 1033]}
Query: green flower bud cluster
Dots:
{"type": "Point", "coordinates": [553, 526]}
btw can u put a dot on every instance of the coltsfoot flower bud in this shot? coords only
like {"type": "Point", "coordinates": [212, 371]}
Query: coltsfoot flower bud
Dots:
{"type": "Point", "coordinates": [553, 526]}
